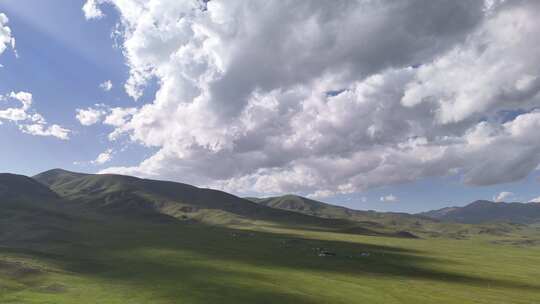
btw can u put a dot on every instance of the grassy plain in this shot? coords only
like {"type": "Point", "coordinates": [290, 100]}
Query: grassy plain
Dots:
{"type": "Point", "coordinates": [121, 261]}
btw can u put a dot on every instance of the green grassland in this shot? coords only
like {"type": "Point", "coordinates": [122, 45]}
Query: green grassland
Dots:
{"type": "Point", "coordinates": [117, 239]}
{"type": "Point", "coordinates": [113, 260]}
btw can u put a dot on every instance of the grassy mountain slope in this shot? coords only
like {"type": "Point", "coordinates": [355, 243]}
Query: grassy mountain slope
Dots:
{"type": "Point", "coordinates": [424, 225]}
{"type": "Point", "coordinates": [486, 211]}
{"type": "Point", "coordinates": [18, 187]}
{"type": "Point", "coordinates": [30, 213]}
{"type": "Point", "coordinates": [370, 218]}
{"type": "Point", "coordinates": [325, 210]}
{"type": "Point", "coordinates": [311, 207]}
{"type": "Point", "coordinates": [126, 195]}
{"type": "Point", "coordinates": [55, 177]}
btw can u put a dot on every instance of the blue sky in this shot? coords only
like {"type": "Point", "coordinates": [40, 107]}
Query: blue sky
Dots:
{"type": "Point", "coordinates": [62, 60]}
{"type": "Point", "coordinates": [237, 109]}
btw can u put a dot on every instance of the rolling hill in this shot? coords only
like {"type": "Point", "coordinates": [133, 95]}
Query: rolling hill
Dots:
{"type": "Point", "coordinates": [479, 218]}
{"type": "Point", "coordinates": [14, 187]}
{"type": "Point", "coordinates": [324, 210]}
{"type": "Point", "coordinates": [486, 211]}
{"type": "Point", "coordinates": [30, 213]}
{"type": "Point", "coordinates": [317, 208]}
{"type": "Point", "coordinates": [305, 205]}
{"type": "Point", "coordinates": [163, 200]}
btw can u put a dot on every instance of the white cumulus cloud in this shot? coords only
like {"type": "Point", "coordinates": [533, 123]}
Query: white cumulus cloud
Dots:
{"type": "Point", "coordinates": [89, 116]}
{"type": "Point", "coordinates": [116, 117]}
{"type": "Point", "coordinates": [103, 157]}
{"type": "Point", "coordinates": [6, 38]}
{"type": "Point", "coordinates": [43, 130]}
{"type": "Point", "coordinates": [503, 196]}
{"type": "Point", "coordinates": [26, 118]}
{"type": "Point", "coordinates": [535, 200]}
{"type": "Point", "coordinates": [328, 97]}
{"type": "Point", "coordinates": [91, 9]}
{"type": "Point", "coordinates": [106, 86]}
{"type": "Point", "coordinates": [389, 198]}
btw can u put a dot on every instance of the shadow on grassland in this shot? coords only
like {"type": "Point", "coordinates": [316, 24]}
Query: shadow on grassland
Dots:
{"type": "Point", "coordinates": [207, 264]}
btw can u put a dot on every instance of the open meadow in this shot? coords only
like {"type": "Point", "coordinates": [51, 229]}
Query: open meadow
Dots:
{"type": "Point", "coordinates": [187, 262]}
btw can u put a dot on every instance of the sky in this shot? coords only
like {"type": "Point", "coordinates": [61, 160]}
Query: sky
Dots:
{"type": "Point", "coordinates": [403, 106]}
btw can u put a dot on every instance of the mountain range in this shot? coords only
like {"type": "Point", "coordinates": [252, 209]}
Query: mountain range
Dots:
{"type": "Point", "coordinates": [57, 193]}
{"type": "Point", "coordinates": [487, 211]}
{"type": "Point", "coordinates": [50, 199]}
{"type": "Point", "coordinates": [162, 200]}
{"type": "Point", "coordinates": [478, 212]}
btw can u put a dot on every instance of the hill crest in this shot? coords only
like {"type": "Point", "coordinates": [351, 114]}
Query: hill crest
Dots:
{"type": "Point", "coordinates": [20, 187]}
{"type": "Point", "coordinates": [482, 211]}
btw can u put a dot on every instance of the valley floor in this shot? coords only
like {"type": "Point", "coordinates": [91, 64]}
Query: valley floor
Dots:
{"type": "Point", "coordinates": [193, 263]}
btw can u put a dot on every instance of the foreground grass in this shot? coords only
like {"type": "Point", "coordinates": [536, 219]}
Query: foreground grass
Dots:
{"type": "Point", "coordinates": [193, 263]}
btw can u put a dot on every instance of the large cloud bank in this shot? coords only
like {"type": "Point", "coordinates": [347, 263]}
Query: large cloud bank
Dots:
{"type": "Point", "coordinates": [330, 96]}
